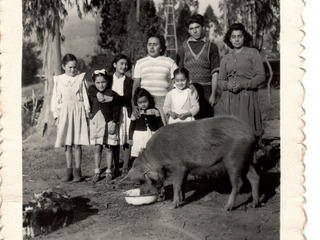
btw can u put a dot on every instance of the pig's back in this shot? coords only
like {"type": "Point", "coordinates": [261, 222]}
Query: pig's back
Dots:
{"type": "Point", "coordinates": [202, 141]}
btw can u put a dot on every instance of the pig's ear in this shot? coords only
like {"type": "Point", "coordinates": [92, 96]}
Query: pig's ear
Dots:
{"type": "Point", "coordinates": [155, 176]}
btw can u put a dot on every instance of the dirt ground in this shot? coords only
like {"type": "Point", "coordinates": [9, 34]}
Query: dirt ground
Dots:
{"type": "Point", "coordinates": [101, 212]}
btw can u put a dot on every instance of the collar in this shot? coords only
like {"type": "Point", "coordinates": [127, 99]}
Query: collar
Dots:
{"type": "Point", "coordinates": [68, 80]}
{"type": "Point", "coordinates": [180, 91]}
{"type": "Point", "coordinates": [123, 77]}
{"type": "Point", "coordinates": [191, 39]}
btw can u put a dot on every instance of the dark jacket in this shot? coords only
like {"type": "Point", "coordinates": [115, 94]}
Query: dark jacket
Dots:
{"type": "Point", "coordinates": [154, 122]}
{"type": "Point", "coordinates": [110, 110]}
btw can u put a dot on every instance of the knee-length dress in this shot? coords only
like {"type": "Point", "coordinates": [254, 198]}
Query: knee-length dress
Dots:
{"type": "Point", "coordinates": [102, 115]}
{"type": "Point", "coordinates": [181, 101]}
{"type": "Point", "coordinates": [246, 68]}
{"type": "Point", "coordinates": [142, 129]}
{"type": "Point", "coordinates": [70, 105]}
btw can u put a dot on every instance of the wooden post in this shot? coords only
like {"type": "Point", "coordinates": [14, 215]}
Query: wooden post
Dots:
{"type": "Point", "coordinates": [138, 10]}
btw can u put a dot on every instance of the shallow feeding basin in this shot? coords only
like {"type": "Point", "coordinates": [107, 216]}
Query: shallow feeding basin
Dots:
{"type": "Point", "coordinates": [133, 197]}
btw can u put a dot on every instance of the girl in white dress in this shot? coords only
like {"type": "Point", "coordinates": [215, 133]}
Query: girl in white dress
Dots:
{"type": "Point", "coordinates": [181, 103]}
{"type": "Point", "coordinates": [70, 107]}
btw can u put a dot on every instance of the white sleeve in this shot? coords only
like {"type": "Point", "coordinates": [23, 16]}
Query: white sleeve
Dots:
{"type": "Point", "coordinates": [85, 96]}
{"type": "Point", "coordinates": [56, 98]}
{"type": "Point", "coordinates": [137, 71]}
{"type": "Point", "coordinates": [167, 103]}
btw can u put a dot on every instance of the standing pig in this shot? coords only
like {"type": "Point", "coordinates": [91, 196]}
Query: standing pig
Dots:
{"type": "Point", "coordinates": [200, 148]}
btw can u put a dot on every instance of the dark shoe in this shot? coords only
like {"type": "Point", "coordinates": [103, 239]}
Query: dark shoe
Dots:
{"type": "Point", "coordinates": [68, 177]}
{"type": "Point", "coordinates": [109, 176]}
{"type": "Point", "coordinates": [116, 172]}
{"type": "Point", "coordinates": [77, 175]}
{"type": "Point", "coordinates": [96, 177]}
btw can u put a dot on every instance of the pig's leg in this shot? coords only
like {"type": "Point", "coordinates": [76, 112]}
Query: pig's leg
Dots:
{"type": "Point", "coordinates": [236, 183]}
{"type": "Point", "coordinates": [254, 179]}
{"type": "Point", "coordinates": [182, 192]}
{"type": "Point", "coordinates": [178, 177]}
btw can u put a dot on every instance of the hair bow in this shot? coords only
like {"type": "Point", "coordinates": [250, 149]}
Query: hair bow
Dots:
{"type": "Point", "coordinates": [102, 71]}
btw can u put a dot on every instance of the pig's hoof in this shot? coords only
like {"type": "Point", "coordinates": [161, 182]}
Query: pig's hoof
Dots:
{"type": "Point", "coordinates": [227, 208]}
{"type": "Point", "coordinates": [255, 204]}
{"type": "Point", "coordinates": [172, 207]}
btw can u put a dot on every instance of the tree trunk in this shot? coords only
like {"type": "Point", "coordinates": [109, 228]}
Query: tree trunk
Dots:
{"type": "Point", "coordinates": [52, 67]}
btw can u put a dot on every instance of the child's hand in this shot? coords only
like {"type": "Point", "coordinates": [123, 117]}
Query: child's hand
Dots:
{"type": "Point", "coordinates": [135, 112]}
{"type": "Point", "coordinates": [111, 127]}
{"type": "Point", "coordinates": [173, 114]}
{"type": "Point", "coordinates": [183, 116]}
{"type": "Point", "coordinates": [107, 98]}
{"type": "Point", "coordinates": [150, 112]}
{"type": "Point", "coordinates": [230, 85]}
{"type": "Point", "coordinates": [100, 97]}
{"type": "Point", "coordinates": [153, 112]}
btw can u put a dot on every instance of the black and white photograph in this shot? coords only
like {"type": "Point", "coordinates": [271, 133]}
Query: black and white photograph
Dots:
{"type": "Point", "coordinates": [152, 119]}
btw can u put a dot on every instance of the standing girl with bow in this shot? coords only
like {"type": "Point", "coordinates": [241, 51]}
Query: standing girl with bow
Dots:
{"type": "Point", "coordinates": [104, 116]}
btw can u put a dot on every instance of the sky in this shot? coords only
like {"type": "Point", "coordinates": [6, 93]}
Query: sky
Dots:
{"type": "Point", "coordinates": [203, 5]}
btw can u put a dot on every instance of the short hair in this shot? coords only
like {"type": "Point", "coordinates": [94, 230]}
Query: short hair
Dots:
{"type": "Point", "coordinates": [162, 41]}
{"type": "Point", "coordinates": [196, 18]}
{"type": "Point", "coordinates": [105, 76]}
{"type": "Point", "coordinates": [118, 57]}
{"type": "Point", "coordinates": [141, 92]}
{"type": "Point", "coordinates": [237, 27]}
{"type": "Point", "coordinates": [69, 57]}
{"type": "Point", "coordinates": [181, 70]}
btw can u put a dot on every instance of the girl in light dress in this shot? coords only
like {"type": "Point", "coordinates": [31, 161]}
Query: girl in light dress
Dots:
{"type": "Point", "coordinates": [149, 120]}
{"type": "Point", "coordinates": [104, 117]}
{"type": "Point", "coordinates": [70, 108]}
{"type": "Point", "coordinates": [181, 103]}
{"type": "Point", "coordinates": [122, 85]}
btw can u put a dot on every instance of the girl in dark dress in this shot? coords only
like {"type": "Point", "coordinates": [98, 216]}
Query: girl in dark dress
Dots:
{"type": "Point", "coordinates": [104, 117]}
{"type": "Point", "coordinates": [142, 128]}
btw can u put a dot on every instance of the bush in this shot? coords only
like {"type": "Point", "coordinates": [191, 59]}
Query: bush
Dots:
{"type": "Point", "coordinates": [30, 63]}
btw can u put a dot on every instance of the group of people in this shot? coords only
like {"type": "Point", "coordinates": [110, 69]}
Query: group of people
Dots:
{"type": "Point", "coordinates": [120, 112]}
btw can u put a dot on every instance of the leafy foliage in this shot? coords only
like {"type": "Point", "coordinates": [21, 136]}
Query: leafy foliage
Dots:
{"type": "Point", "coordinates": [120, 31]}
{"type": "Point", "coordinates": [260, 18]}
{"type": "Point", "coordinates": [210, 18]}
{"type": "Point", "coordinates": [31, 62]}
{"type": "Point", "coordinates": [182, 31]}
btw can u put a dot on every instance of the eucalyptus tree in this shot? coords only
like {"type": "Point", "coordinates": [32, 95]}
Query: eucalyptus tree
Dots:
{"type": "Point", "coordinates": [259, 17]}
{"type": "Point", "coordinates": [44, 20]}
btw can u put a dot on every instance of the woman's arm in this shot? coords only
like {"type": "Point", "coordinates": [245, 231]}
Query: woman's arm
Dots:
{"type": "Point", "coordinates": [131, 128]}
{"type": "Point", "coordinates": [195, 107]}
{"type": "Point", "coordinates": [136, 84]}
{"type": "Point", "coordinates": [222, 77]}
{"type": "Point", "coordinates": [259, 73]}
{"type": "Point", "coordinates": [167, 103]}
